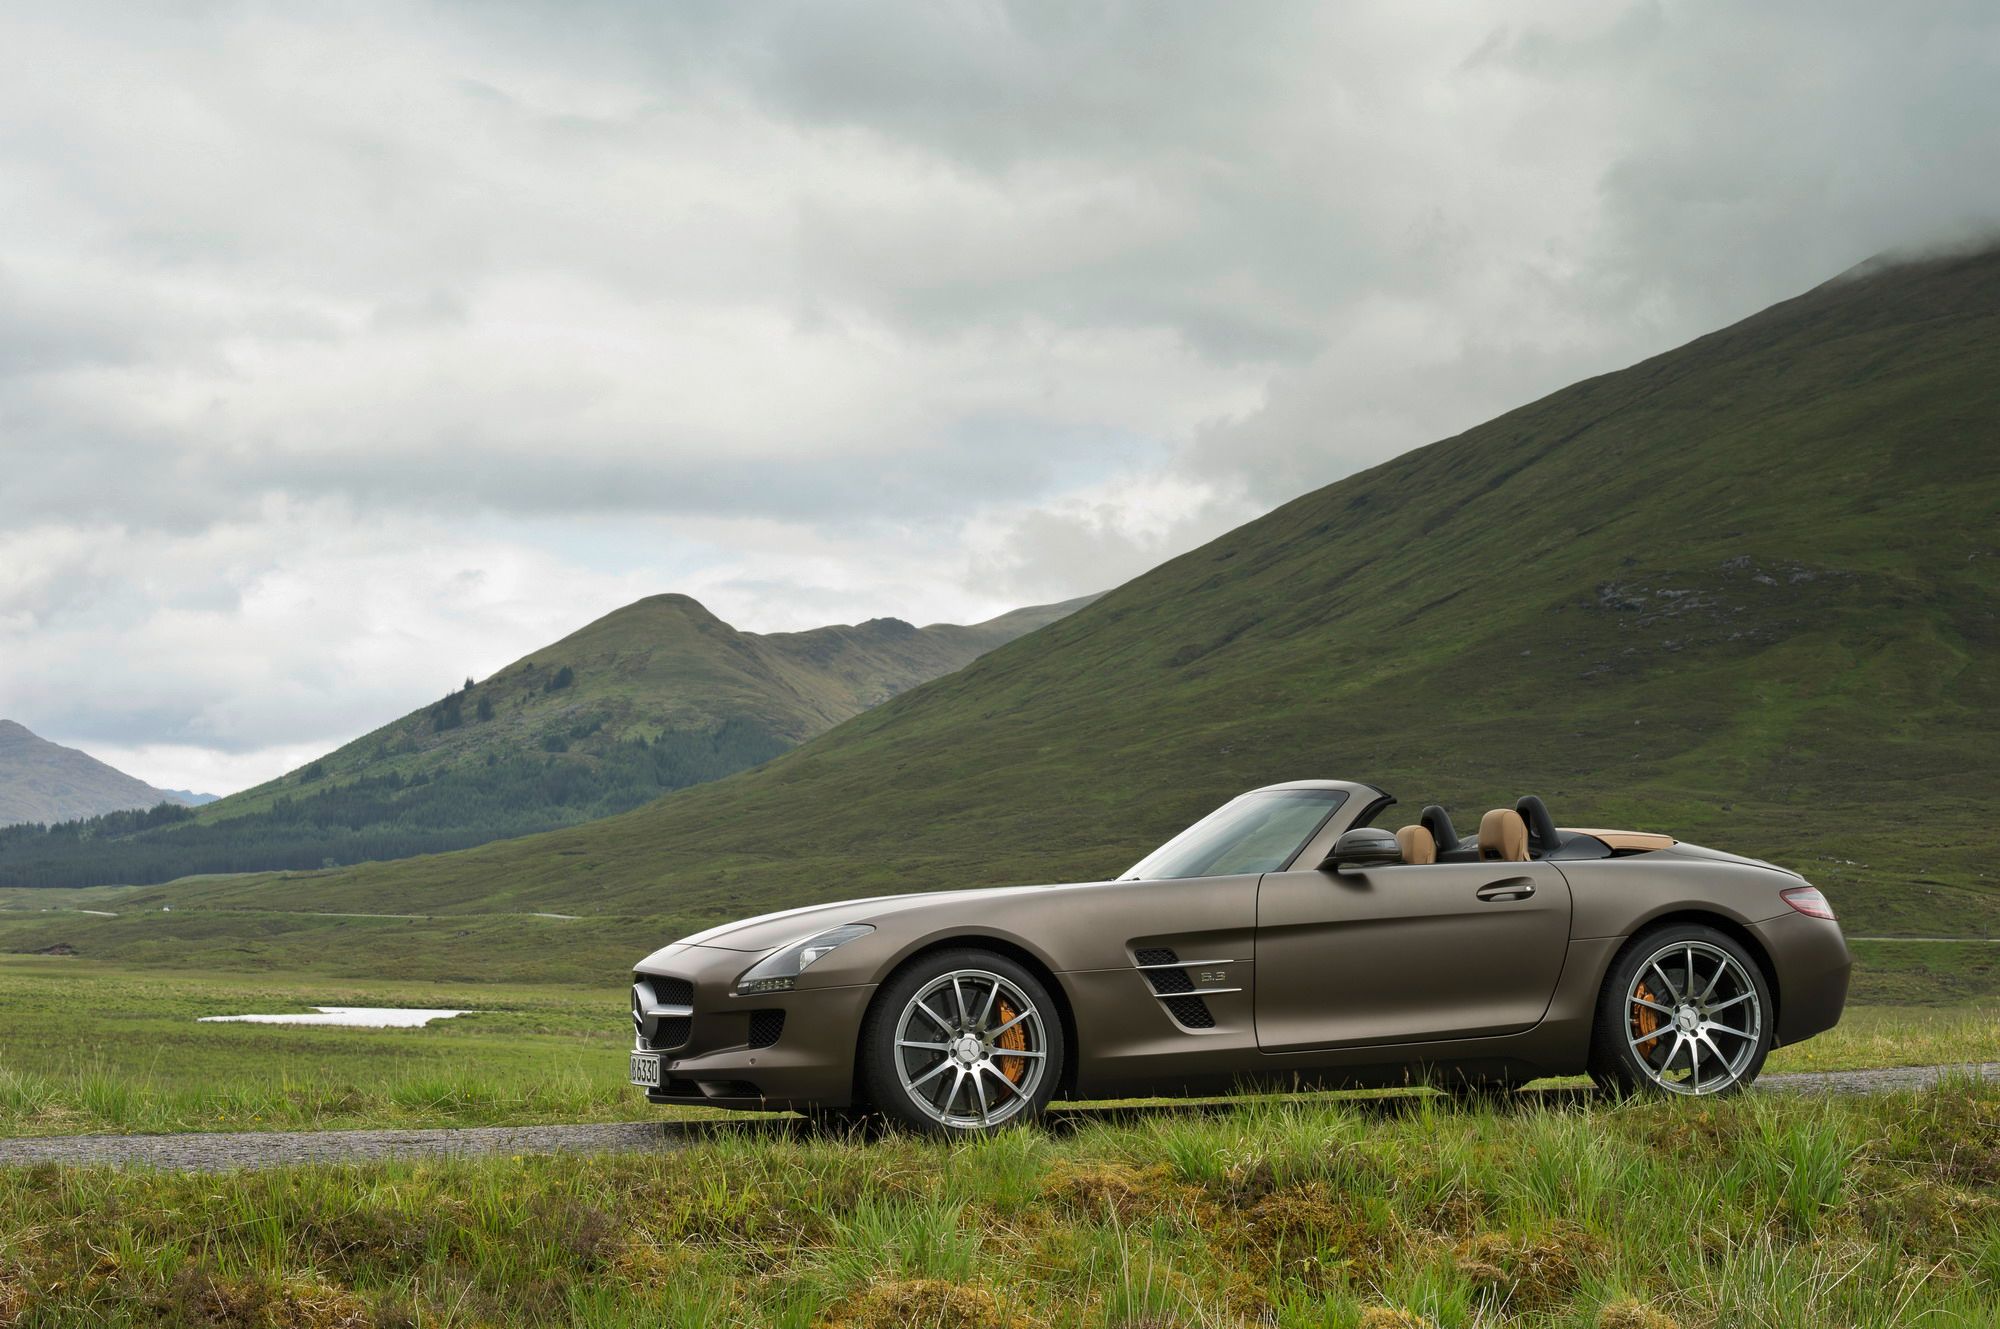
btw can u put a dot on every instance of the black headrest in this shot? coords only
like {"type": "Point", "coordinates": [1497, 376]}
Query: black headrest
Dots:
{"type": "Point", "coordinates": [1541, 826]}
{"type": "Point", "coordinates": [1438, 822]}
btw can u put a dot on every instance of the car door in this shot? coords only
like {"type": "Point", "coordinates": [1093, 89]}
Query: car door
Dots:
{"type": "Point", "coordinates": [1407, 953]}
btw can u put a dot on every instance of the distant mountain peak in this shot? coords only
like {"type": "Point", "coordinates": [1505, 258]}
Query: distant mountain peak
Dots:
{"type": "Point", "coordinates": [47, 782]}
{"type": "Point", "coordinates": [889, 627]}
{"type": "Point", "coordinates": [1982, 246]}
{"type": "Point", "coordinates": [669, 600]}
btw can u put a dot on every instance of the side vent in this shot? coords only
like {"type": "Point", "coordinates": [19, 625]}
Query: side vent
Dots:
{"type": "Point", "coordinates": [1167, 975]}
{"type": "Point", "coordinates": [1190, 1011]}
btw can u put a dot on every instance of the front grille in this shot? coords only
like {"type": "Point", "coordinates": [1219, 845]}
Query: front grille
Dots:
{"type": "Point", "coordinates": [1166, 982]}
{"type": "Point", "coordinates": [765, 1026]}
{"type": "Point", "coordinates": [664, 1032]}
{"type": "Point", "coordinates": [1192, 1012]}
{"type": "Point", "coordinates": [1155, 955]}
{"type": "Point", "coordinates": [672, 991]}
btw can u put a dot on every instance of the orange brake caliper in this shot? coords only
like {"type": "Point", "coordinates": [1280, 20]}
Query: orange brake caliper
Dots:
{"type": "Point", "coordinates": [1017, 1040]}
{"type": "Point", "coordinates": [1645, 1020]}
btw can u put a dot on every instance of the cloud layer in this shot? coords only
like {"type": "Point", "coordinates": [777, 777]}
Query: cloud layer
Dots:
{"type": "Point", "coordinates": [343, 353]}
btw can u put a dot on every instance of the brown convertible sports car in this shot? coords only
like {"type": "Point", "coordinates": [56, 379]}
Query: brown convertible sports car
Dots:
{"type": "Point", "coordinates": [1280, 941]}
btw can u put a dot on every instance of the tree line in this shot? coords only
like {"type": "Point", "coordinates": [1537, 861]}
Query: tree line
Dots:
{"type": "Point", "coordinates": [381, 816]}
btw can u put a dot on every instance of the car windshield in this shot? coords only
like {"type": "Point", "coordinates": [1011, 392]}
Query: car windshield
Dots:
{"type": "Point", "coordinates": [1258, 832]}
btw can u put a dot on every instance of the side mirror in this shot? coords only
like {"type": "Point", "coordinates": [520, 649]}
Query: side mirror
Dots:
{"type": "Point", "coordinates": [1364, 847]}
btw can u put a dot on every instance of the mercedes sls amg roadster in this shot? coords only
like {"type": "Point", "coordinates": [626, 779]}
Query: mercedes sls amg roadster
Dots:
{"type": "Point", "coordinates": [1283, 941]}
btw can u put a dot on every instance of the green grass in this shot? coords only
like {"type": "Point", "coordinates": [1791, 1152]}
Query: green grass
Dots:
{"type": "Point", "coordinates": [1915, 972]}
{"type": "Point", "coordinates": [463, 947]}
{"type": "Point", "coordinates": [1742, 592]}
{"type": "Point", "coordinates": [1408, 1212]}
{"type": "Point", "coordinates": [88, 1048]}
{"type": "Point", "coordinates": [96, 1048]}
{"type": "Point", "coordinates": [514, 947]}
{"type": "Point", "coordinates": [1899, 1036]}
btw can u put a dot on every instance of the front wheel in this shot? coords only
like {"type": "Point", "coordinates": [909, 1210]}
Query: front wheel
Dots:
{"type": "Point", "coordinates": [961, 1043]}
{"type": "Point", "coordinates": [1684, 1010]}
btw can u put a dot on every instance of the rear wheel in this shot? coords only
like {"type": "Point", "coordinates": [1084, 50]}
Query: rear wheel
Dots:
{"type": "Point", "coordinates": [1684, 1010]}
{"type": "Point", "coordinates": [961, 1043]}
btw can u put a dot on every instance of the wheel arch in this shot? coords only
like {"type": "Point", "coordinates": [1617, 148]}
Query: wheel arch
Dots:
{"type": "Point", "coordinates": [1723, 923]}
{"type": "Point", "coordinates": [1019, 954]}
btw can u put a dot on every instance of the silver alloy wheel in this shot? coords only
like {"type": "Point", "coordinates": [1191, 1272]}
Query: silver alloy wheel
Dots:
{"type": "Point", "coordinates": [1693, 1018]}
{"type": "Point", "coordinates": [970, 1049]}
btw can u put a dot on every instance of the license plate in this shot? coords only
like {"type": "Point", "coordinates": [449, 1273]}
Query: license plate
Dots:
{"type": "Point", "coordinates": [646, 1069]}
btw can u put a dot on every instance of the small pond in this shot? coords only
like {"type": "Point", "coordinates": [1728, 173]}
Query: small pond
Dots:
{"type": "Point", "coordinates": [359, 1017]}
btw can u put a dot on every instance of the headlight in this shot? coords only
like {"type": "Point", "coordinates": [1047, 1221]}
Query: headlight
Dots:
{"type": "Point", "coordinates": [778, 971]}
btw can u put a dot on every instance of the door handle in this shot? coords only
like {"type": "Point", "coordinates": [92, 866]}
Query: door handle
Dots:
{"type": "Point", "coordinates": [1513, 888]}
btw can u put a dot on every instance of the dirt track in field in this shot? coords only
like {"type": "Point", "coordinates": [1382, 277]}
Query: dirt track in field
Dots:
{"type": "Point", "coordinates": [253, 1149]}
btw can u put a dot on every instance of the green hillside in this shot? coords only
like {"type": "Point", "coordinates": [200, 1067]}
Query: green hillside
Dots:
{"type": "Point", "coordinates": [1744, 591]}
{"type": "Point", "coordinates": [657, 696]}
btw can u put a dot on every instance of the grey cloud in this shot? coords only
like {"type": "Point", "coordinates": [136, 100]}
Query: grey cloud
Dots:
{"type": "Point", "coordinates": [1044, 554]}
{"type": "Point", "coordinates": [106, 477]}
{"type": "Point", "coordinates": [1254, 184]}
{"type": "Point", "coordinates": [1717, 159]}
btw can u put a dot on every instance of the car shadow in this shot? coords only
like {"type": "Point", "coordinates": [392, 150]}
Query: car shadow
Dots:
{"type": "Point", "coordinates": [758, 1126]}
{"type": "Point", "coordinates": [1388, 1105]}
{"type": "Point", "coordinates": [1068, 1119]}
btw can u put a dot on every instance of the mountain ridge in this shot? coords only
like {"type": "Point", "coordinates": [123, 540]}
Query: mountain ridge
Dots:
{"type": "Point", "coordinates": [42, 781]}
{"type": "Point", "coordinates": [656, 695]}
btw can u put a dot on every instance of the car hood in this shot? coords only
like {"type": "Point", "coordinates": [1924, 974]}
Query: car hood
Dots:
{"type": "Point", "coordinates": [769, 931]}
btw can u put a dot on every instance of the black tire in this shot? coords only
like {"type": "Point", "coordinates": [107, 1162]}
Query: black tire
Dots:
{"type": "Point", "coordinates": [1017, 1082]}
{"type": "Point", "coordinates": [1621, 1068]}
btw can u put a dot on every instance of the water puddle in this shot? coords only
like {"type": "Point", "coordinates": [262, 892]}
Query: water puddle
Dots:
{"type": "Point", "coordinates": [359, 1017]}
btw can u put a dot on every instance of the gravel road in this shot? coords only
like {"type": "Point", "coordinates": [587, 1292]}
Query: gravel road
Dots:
{"type": "Point", "coordinates": [250, 1149]}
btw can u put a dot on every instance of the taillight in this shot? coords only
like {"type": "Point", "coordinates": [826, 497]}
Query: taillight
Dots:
{"type": "Point", "coordinates": [1809, 901]}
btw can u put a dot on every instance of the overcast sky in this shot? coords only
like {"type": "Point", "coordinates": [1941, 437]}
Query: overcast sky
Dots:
{"type": "Point", "coordinates": [347, 350]}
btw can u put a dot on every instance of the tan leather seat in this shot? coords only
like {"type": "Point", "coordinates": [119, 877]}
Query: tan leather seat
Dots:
{"type": "Point", "coordinates": [1503, 837]}
{"type": "Point", "coordinates": [1418, 845]}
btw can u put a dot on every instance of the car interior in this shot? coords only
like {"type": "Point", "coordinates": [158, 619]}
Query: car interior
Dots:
{"type": "Point", "coordinates": [1521, 834]}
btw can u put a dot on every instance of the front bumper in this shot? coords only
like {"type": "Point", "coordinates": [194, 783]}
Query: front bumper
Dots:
{"type": "Point", "coordinates": [811, 1063]}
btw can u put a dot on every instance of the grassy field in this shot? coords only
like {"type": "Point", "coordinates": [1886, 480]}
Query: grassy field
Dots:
{"type": "Point", "coordinates": [87, 1047]}
{"type": "Point", "coordinates": [125, 925]}
{"type": "Point", "coordinates": [525, 947]}
{"type": "Point", "coordinates": [96, 1048]}
{"type": "Point", "coordinates": [1390, 1214]}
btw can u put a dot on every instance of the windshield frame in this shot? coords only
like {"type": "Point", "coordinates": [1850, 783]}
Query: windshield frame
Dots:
{"type": "Point", "coordinates": [1189, 839]}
